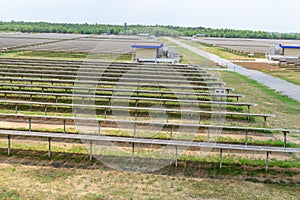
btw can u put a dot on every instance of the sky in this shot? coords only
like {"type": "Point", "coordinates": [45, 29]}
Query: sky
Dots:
{"type": "Point", "coordinates": [266, 15]}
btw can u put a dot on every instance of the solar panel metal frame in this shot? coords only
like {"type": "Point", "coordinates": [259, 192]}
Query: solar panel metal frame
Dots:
{"type": "Point", "coordinates": [161, 92]}
{"type": "Point", "coordinates": [5, 92]}
{"type": "Point", "coordinates": [109, 83]}
{"type": "Point", "coordinates": [151, 141]}
{"type": "Point", "coordinates": [75, 73]}
{"type": "Point", "coordinates": [107, 107]}
{"type": "Point", "coordinates": [156, 123]}
{"type": "Point", "coordinates": [102, 78]}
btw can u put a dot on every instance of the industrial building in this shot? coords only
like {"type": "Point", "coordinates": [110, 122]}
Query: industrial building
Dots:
{"type": "Point", "coordinates": [290, 50]}
{"type": "Point", "coordinates": [154, 52]}
{"type": "Point", "coordinates": [147, 51]}
{"type": "Point", "coordinates": [285, 54]}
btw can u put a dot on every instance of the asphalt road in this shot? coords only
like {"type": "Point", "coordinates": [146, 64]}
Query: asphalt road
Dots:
{"type": "Point", "coordinates": [274, 83]}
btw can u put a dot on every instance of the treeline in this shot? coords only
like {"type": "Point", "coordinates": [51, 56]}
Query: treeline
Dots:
{"type": "Point", "coordinates": [232, 33]}
{"type": "Point", "coordinates": [158, 30]}
{"type": "Point", "coordinates": [44, 27]}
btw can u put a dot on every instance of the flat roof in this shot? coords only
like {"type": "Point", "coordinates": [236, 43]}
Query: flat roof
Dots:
{"type": "Point", "coordinates": [146, 45]}
{"type": "Point", "coordinates": [290, 46]}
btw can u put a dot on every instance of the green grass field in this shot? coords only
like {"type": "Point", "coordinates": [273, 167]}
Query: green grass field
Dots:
{"type": "Point", "coordinates": [287, 111]}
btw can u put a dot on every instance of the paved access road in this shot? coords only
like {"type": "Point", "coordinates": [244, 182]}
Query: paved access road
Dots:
{"type": "Point", "coordinates": [277, 84]}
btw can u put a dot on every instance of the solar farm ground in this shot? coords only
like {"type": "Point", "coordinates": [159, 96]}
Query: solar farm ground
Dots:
{"type": "Point", "coordinates": [69, 174]}
{"type": "Point", "coordinates": [69, 164]}
{"type": "Point", "coordinates": [72, 176]}
{"type": "Point", "coordinates": [289, 73]}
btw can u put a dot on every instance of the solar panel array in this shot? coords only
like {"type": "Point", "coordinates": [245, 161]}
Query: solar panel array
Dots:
{"type": "Point", "coordinates": [19, 40]}
{"type": "Point", "coordinates": [246, 45]}
{"type": "Point", "coordinates": [173, 105]}
{"type": "Point", "coordinates": [67, 42]}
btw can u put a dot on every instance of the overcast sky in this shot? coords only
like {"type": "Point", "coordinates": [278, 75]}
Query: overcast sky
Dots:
{"type": "Point", "coordinates": [268, 15]}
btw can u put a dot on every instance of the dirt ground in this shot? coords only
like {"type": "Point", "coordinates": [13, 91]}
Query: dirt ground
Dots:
{"type": "Point", "coordinates": [260, 66]}
{"type": "Point", "coordinates": [289, 74]}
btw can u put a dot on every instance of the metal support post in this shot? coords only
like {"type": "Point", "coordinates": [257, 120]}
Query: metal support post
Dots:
{"type": "Point", "coordinates": [8, 145]}
{"type": "Point", "coordinates": [208, 134]}
{"type": "Point", "coordinates": [91, 150]}
{"type": "Point", "coordinates": [29, 124]}
{"type": "Point", "coordinates": [56, 102]}
{"type": "Point", "coordinates": [249, 111]}
{"type": "Point", "coordinates": [49, 147]}
{"type": "Point", "coordinates": [64, 126]}
{"type": "Point", "coordinates": [176, 156]}
{"type": "Point", "coordinates": [132, 158]}
{"type": "Point", "coordinates": [265, 121]}
{"type": "Point", "coordinates": [246, 138]}
{"type": "Point", "coordinates": [267, 161]}
{"type": "Point", "coordinates": [134, 129]}
{"type": "Point", "coordinates": [221, 158]}
{"type": "Point", "coordinates": [167, 118]}
{"type": "Point", "coordinates": [99, 127]}
{"type": "Point", "coordinates": [284, 139]}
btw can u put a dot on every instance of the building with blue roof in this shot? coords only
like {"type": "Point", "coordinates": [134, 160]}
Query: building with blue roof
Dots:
{"type": "Point", "coordinates": [147, 51]}
{"type": "Point", "coordinates": [290, 50]}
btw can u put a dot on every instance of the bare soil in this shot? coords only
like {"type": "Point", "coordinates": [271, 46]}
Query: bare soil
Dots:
{"type": "Point", "coordinates": [259, 66]}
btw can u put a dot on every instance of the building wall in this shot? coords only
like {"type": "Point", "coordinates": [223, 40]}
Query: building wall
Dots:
{"type": "Point", "coordinates": [292, 52]}
{"type": "Point", "coordinates": [146, 53]}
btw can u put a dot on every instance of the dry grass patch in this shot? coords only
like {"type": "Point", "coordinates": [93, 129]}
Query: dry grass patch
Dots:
{"type": "Point", "coordinates": [189, 181]}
